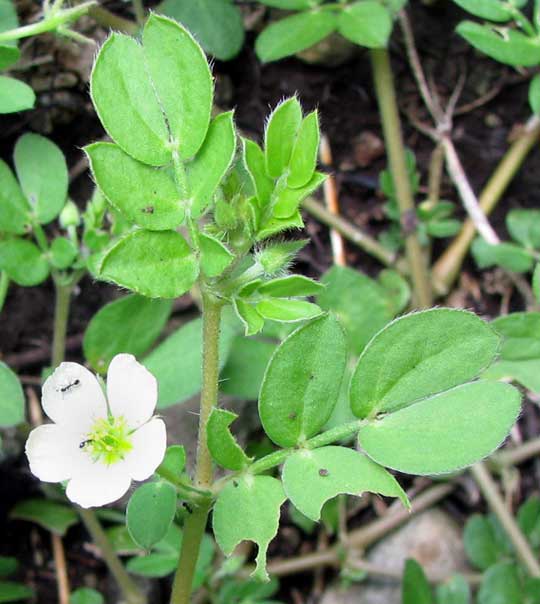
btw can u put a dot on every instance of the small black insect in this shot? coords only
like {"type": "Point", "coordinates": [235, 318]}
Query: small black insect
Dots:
{"type": "Point", "coordinates": [148, 210]}
{"type": "Point", "coordinates": [323, 472]}
{"type": "Point", "coordinates": [84, 443]}
{"type": "Point", "coordinates": [187, 507]}
{"type": "Point", "coordinates": [293, 415]}
{"type": "Point", "coordinates": [70, 386]}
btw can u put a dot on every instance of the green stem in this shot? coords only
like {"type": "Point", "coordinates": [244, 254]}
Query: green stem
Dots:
{"type": "Point", "coordinates": [104, 17]}
{"type": "Point", "coordinates": [131, 592]}
{"type": "Point", "coordinates": [49, 23]}
{"type": "Point", "coordinates": [386, 98]}
{"type": "Point", "coordinates": [491, 493]}
{"type": "Point", "coordinates": [195, 524]}
{"type": "Point", "coordinates": [4, 286]}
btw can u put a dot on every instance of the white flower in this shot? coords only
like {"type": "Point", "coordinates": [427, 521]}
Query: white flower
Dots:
{"type": "Point", "coordinates": [99, 445]}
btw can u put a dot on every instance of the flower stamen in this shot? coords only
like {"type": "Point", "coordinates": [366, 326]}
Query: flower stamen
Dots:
{"type": "Point", "coordinates": [109, 441]}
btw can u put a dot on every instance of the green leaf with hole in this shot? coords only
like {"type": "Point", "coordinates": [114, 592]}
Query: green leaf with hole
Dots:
{"type": "Point", "coordinates": [503, 44]}
{"type": "Point", "coordinates": [157, 264]}
{"type": "Point", "coordinates": [493, 10]}
{"type": "Point", "coordinates": [182, 80]}
{"type": "Point", "coordinates": [312, 477]}
{"type": "Point", "coordinates": [223, 446]}
{"type": "Point", "coordinates": [287, 310]}
{"type": "Point", "coordinates": [418, 355]}
{"type": "Point", "coordinates": [367, 24]}
{"type": "Point", "coordinates": [216, 24]}
{"type": "Point", "coordinates": [415, 588]}
{"type": "Point", "coordinates": [126, 101]}
{"type": "Point", "coordinates": [14, 207]}
{"type": "Point", "coordinates": [506, 255]}
{"type": "Point", "coordinates": [280, 136]}
{"type": "Point", "coordinates": [246, 352]}
{"type": "Point", "coordinates": [287, 200]}
{"type": "Point", "coordinates": [212, 162]}
{"type": "Point", "coordinates": [144, 195]}
{"type": "Point", "coordinates": [302, 382]}
{"type": "Point", "coordinates": [42, 172]}
{"type": "Point", "coordinates": [150, 513]}
{"type": "Point", "coordinates": [215, 257]}
{"type": "Point", "coordinates": [292, 285]}
{"type": "Point", "coordinates": [186, 344]}
{"type": "Point", "coordinates": [12, 402]}
{"type": "Point", "coordinates": [248, 509]}
{"type": "Point", "coordinates": [138, 322]}
{"type": "Point", "coordinates": [304, 153]}
{"type": "Point", "coordinates": [23, 261]}
{"type": "Point", "coordinates": [51, 515]}
{"type": "Point", "coordinates": [15, 95]}
{"type": "Point", "coordinates": [13, 592]}
{"type": "Point", "coordinates": [293, 34]}
{"type": "Point", "coordinates": [445, 432]}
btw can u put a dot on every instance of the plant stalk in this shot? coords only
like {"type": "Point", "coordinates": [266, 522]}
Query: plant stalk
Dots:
{"type": "Point", "coordinates": [196, 522]}
{"type": "Point", "coordinates": [129, 589]}
{"type": "Point", "coordinates": [447, 267]}
{"type": "Point", "coordinates": [386, 98]}
{"type": "Point", "coordinates": [4, 286]}
{"type": "Point", "coordinates": [491, 493]}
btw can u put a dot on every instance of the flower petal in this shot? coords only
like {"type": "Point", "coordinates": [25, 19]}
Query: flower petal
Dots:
{"type": "Point", "coordinates": [149, 444]}
{"type": "Point", "coordinates": [73, 397]}
{"type": "Point", "coordinates": [53, 452]}
{"type": "Point", "coordinates": [94, 484]}
{"type": "Point", "coordinates": [131, 390]}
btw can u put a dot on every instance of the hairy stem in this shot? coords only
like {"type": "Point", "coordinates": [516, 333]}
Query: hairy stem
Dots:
{"type": "Point", "coordinates": [196, 523]}
{"type": "Point", "coordinates": [491, 493]}
{"type": "Point", "coordinates": [447, 267]}
{"type": "Point", "coordinates": [386, 97]}
{"type": "Point", "coordinates": [129, 589]}
{"type": "Point", "coordinates": [4, 286]}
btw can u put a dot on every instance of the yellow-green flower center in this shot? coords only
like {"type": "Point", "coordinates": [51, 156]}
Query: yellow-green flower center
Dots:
{"type": "Point", "coordinates": [109, 441]}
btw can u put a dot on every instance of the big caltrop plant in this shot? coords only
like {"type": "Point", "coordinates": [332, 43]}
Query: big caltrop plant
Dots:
{"type": "Point", "coordinates": [203, 208]}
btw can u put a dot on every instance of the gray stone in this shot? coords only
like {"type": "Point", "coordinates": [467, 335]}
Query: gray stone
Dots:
{"type": "Point", "coordinates": [432, 538]}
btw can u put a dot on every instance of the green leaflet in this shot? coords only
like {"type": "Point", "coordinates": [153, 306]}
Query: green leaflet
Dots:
{"type": "Point", "coordinates": [286, 310]}
{"type": "Point", "coordinates": [304, 153]}
{"type": "Point", "coordinates": [366, 23]}
{"type": "Point", "coordinates": [524, 226]}
{"type": "Point", "coordinates": [534, 94]}
{"type": "Point", "coordinates": [302, 381]}
{"type": "Point", "coordinates": [63, 252]}
{"type": "Point", "coordinates": [126, 102]}
{"type": "Point", "coordinates": [501, 583]}
{"type": "Point", "coordinates": [419, 355]}
{"type": "Point", "coordinates": [292, 285]}
{"type": "Point", "coordinates": [287, 200]}
{"type": "Point", "coordinates": [51, 515]}
{"type": "Point", "coordinates": [222, 444]}
{"type": "Point", "coordinates": [11, 398]}
{"type": "Point", "coordinates": [494, 10]}
{"type": "Point", "coordinates": [23, 261]}
{"type": "Point", "coordinates": [416, 588]}
{"type": "Point", "coordinates": [480, 542]}
{"type": "Point", "coordinates": [150, 513]}
{"type": "Point", "coordinates": [130, 324]}
{"type": "Point", "coordinates": [15, 95]}
{"type": "Point", "coordinates": [157, 264]}
{"type": "Point", "coordinates": [86, 595]}
{"type": "Point", "coordinates": [521, 335]}
{"type": "Point", "coordinates": [213, 160]}
{"type": "Point", "coordinates": [507, 255]}
{"type": "Point", "coordinates": [8, 55]}
{"type": "Point", "coordinates": [254, 162]}
{"type": "Point", "coordinates": [501, 43]}
{"type": "Point", "coordinates": [146, 196]}
{"type": "Point", "coordinates": [14, 208]}
{"type": "Point", "coordinates": [312, 477]}
{"type": "Point", "coordinates": [182, 80]}
{"type": "Point", "coordinates": [445, 432]}
{"type": "Point", "coordinates": [294, 34]}
{"type": "Point", "coordinates": [216, 24]}
{"type": "Point", "coordinates": [455, 591]}
{"type": "Point", "coordinates": [280, 135]}
{"type": "Point", "coordinates": [42, 172]}
{"type": "Point", "coordinates": [253, 322]}
{"type": "Point", "coordinates": [248, 509]}
{"type": "Point", "coordinates": [215, 257]}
